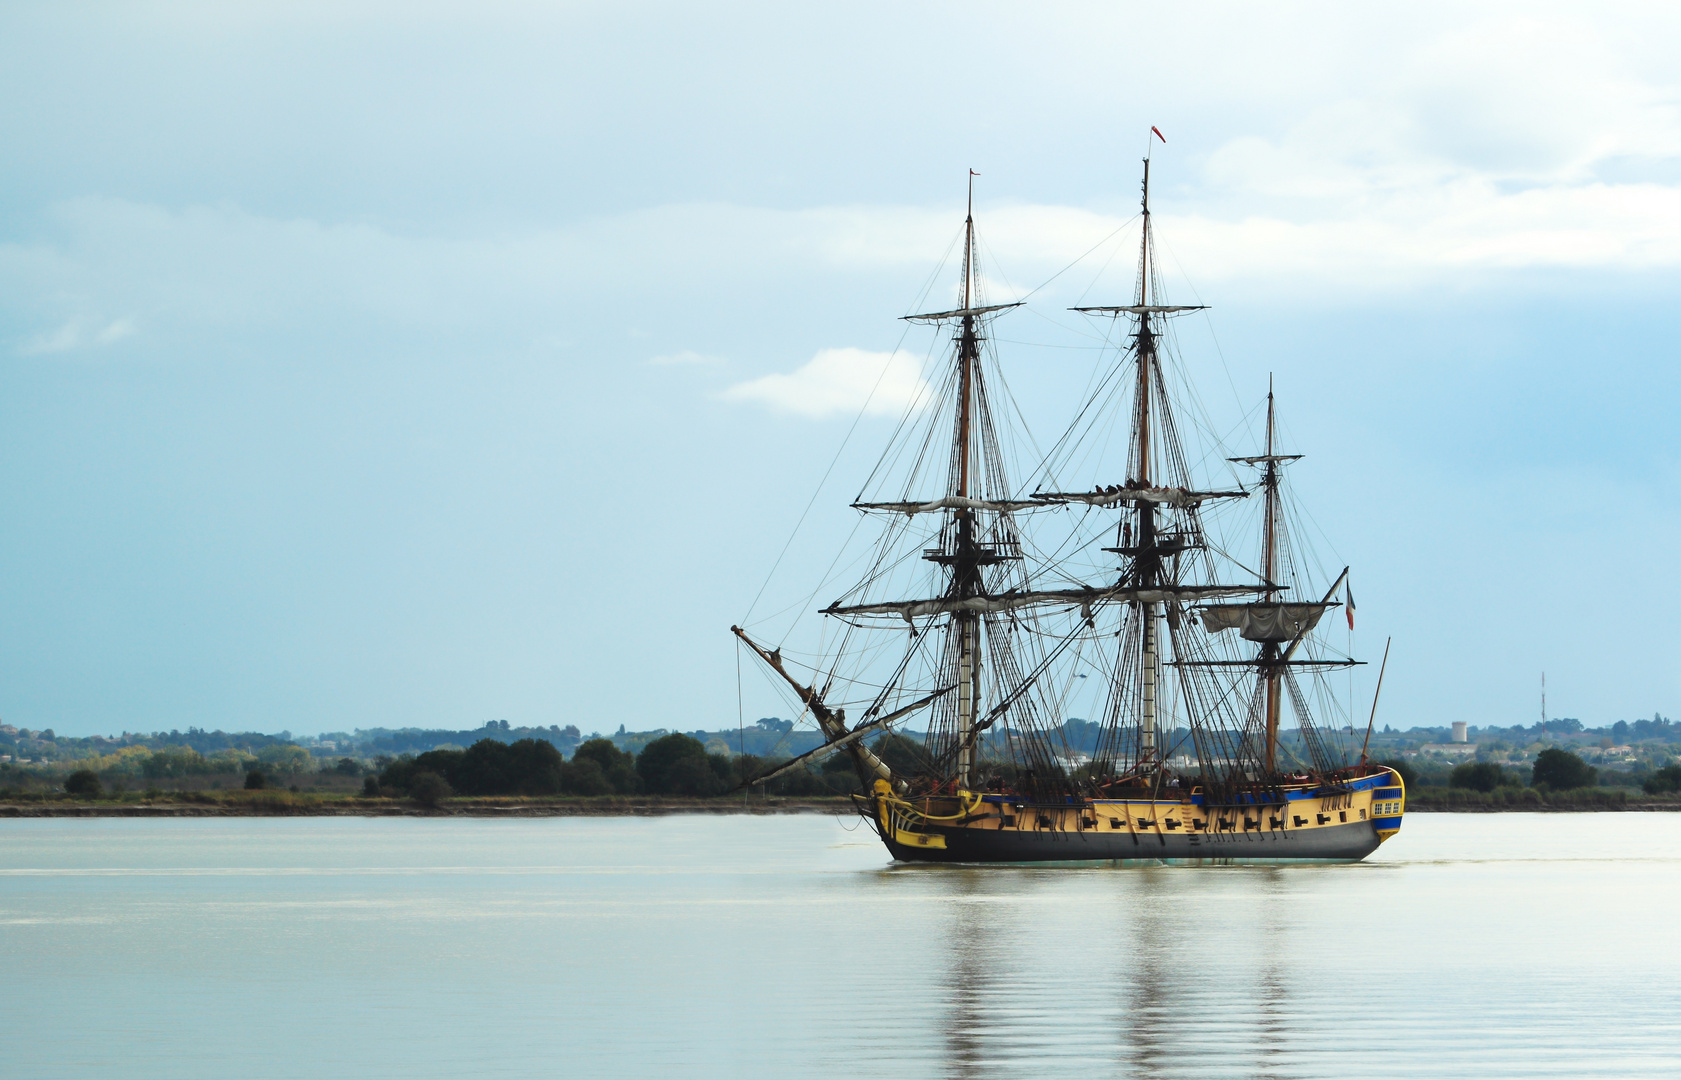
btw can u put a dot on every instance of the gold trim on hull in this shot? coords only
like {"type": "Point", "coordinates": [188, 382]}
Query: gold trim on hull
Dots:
{"type": "Point", "coordinates": [1378, 800]}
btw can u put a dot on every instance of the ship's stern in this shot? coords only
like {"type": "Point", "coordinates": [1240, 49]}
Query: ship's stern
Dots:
{"type": "Point", "coordinates": [1389, 802]}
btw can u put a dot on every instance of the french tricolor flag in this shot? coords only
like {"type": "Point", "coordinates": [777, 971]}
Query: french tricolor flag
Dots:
{"type": "Point", "coordinates": [1348, 595]}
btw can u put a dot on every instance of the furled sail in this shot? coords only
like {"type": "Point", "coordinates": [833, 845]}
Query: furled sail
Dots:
{"type": "Point", "coordinates": [911, 609]}
{"type": "Point", "coordinates": [1264, 621]}
{"type": "Point", "coordinates": [955, 502]}
{"type": "Point", "coordinates": [1113, 494]}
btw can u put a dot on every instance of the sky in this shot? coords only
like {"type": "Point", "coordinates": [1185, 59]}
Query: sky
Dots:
{"type": "Point", "coordinates": [421, 365]}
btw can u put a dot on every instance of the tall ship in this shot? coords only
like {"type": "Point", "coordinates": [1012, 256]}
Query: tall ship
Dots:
{"type": "Point", "coordinates": [1102, 665]}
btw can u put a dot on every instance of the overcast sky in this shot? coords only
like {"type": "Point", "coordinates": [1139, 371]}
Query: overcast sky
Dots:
{"type": "Point", "coordinates": [410, 364]}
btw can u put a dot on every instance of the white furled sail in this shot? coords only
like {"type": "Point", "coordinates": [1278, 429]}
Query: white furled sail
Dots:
{"type": "Point", "coordinates": [1264, 621]}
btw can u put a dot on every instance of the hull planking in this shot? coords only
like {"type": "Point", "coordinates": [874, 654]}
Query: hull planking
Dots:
{"type": "Point", "coordinates": [1312, 824]}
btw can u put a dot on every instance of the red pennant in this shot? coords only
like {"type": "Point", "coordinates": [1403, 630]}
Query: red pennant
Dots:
{"type": "Point", "coordinates": [1159, 134]}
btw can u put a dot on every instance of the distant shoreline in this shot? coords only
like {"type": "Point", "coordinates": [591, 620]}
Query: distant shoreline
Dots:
{"type": "Point", "coordinates": [604, 807]}
{"type": "Point", "coordinates": [607, 807]}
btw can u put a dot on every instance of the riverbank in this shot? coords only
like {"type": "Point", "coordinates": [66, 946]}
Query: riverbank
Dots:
{"type": "Point", "coordinates": [291, 804]}
{"type": "Point", "coordinates": [288, 804]}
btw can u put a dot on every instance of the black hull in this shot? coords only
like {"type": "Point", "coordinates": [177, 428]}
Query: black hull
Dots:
{"type": "Point", "coordinates": [1335, 843]}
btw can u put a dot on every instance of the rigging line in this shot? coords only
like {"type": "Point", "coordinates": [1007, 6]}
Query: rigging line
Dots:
{"type": "Point", "coordinates": [1221, 441]}
{"type": "Point", "coordinates": [936, 397]}
{"type": "Point", "coordinates": [862, 409]}
{"type": "Point", "coordinates": [989, 259]}
{"type": "Point", "coordinates": [1082, 257]}
{"type": "Point", "coordinates": [1043, 345]}
{"type": "Point", "coordinates": [1098, 396]}
{"type": "Point", "coordinates": [1077, 329]}
{"type": "Point", "coordinates": [928, 286]}
{"type": "Point", "coordinates": [1189, 284]}
{"type": "Point", "coordinates": [1010, 399]}
{"type": "Point", "coordinates": [1100, 272]}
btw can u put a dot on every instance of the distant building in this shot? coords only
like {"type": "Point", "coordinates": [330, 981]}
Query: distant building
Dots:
{"type": "Point", "coordinates": [1460, 734]}
{"type": "Point", "coordinates": [1447, 750]}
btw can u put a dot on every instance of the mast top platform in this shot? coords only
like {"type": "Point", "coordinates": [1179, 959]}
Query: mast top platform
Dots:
{"type": "Point", "coordinates": [1141, 309]}
{"type": "Point", "coordinates": [959, 313]}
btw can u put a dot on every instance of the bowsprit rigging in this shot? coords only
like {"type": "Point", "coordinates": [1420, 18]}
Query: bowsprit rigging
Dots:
{"type": "Point", "coordinates": [988, 613]}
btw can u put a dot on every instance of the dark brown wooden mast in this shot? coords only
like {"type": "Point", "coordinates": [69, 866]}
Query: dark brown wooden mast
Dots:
{"type": "Point", "coordinates": [1148, 559]}
{"type": "Point", "coordinates": [1271, 671]}
{"type": "Point", "coordinates": [966, 576]}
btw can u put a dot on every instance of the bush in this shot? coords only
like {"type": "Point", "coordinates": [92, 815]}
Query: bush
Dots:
{"type": "Point", "coordinates": [583, 776]}
{"type": "Point", "coordinates": [1665, 781]}
{"type": "Point", "coordinates": [617, 767]}
{"type": "Point", "coordinates": [370, 787]}
{"type": "Point", "coordinates": [255, 781]}
{"type": "Point", "coordinates": [677, 764]}
{"type": "Point", "coordinates": [488, 767]}
{"type": "Point", "coordinates": [1477, 775]}
{"type": "Point", "coordinates": [526, 767]}
{"type": "Point", "coordinates": [84, 783]}
{"type": "Point", "coordinates": [1560, 770]}
{"type": "Point", "coordinates": [429, 789]}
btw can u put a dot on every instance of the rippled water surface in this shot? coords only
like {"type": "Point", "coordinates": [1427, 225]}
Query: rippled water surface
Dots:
{"type": "Point", "coordinates": [1471, 945]}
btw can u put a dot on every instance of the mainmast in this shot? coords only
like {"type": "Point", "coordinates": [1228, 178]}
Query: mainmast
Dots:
{"type": "Point", "coordinates": [1148, 557]}
{"type": "Point", "coordinates": [966, 577]}
{"type": "Point", "coordinates": [1270, 667]}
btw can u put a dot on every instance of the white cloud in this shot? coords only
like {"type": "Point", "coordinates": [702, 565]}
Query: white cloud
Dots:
{"type": "Point", "coordinates": [77, 333]}
{"type": "Point", "coordinates": [840, 381]}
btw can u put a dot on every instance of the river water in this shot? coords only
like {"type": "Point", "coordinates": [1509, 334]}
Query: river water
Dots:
{"type": "Point", "coordinates": [1496, 945]}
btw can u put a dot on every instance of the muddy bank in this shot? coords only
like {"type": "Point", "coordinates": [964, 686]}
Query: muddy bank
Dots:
{"type": "Point", "coordinates": [304, 806]}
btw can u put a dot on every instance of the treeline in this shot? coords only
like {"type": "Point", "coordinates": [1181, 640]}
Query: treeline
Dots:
{"type": "Point", "coordinates": [675, 764]}
{"type": "Point", "coordinates": [1554, 770]}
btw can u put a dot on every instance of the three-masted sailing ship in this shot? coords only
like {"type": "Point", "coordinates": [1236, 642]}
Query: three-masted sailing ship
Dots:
{"type": "Point", "coordinates": [991, 611]}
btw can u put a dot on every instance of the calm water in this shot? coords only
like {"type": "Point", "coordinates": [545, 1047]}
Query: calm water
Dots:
{"type": "Point", "coordinates": [1484, 946]}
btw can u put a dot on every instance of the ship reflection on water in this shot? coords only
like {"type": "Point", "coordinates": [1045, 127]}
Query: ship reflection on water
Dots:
{"type": "Point", "coordinates": [1135, 979]}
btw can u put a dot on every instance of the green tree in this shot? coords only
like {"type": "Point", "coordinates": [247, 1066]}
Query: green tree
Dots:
{"type": "Point", "coordinates": [348, 767]}
{"type": "Point", "coordinates": [1560, 770]}
{"type": "Point", "coordinates": [284, 759]}
{"type": "Point", "coordinates": [255, 781]}
{"type": "Point", "coordinates": [84, 783]}
{"type": "Point", "coordinates": [1664, 781]}
{"type": "Point", "coordinates": [1477, 775]}
{"type": "Point", "coordinates": [583, 776]}
{"type": "Point", "coordinates": [677, 764]}
{"type": "Point", "coordinates": [490, 767]}
{"type": "Point", "coordinates": [616, 766]}
{"type": "Point", "coordinates": [429, 789]}
{"type": "Point", "coordinates": [173, 762]}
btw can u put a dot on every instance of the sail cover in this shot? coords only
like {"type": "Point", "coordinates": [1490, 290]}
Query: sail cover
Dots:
{"type": "Point", "coordinates": [1263, 622]}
